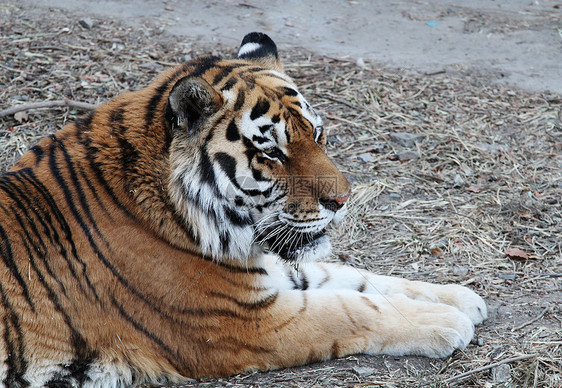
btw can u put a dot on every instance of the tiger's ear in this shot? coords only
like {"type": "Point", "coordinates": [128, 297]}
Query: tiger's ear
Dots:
{"type": "Point", "coordinates": [259, 48]}
{"type": "Point", "coordinates": [190, 101]}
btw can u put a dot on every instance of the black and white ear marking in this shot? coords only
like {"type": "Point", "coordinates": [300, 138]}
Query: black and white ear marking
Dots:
{"type": "Point", "coordinates": [258, 47]}
{"type": "Point", "coordinates": [191, 100]}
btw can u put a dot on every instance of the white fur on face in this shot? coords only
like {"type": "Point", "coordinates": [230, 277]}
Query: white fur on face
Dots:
{"type": "Point", "coordinates": [208, 206]}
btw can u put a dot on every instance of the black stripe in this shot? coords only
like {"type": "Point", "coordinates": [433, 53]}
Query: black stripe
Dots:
{"type": "Point", "coordinates": [236, 269]}
{"type": "Point", "coordinates": [258, 176]}
{"type": "Point", "coordinates": [362, 287]}
{"type": "Point", "coordinates": [264, 128]}
{"type": "Point", "coordinates": [296, 285]}
{"type": "Point", "coordinates": [225, 70]}
{"type": "Point", "coordinates": [94, 192]}
{"type": "Point", "coordinates": [84, 123]}
{"type": "Point", "coordinates": [240, 99]}
{"type": "Point", "coordinates": [259, 304]}
{"type": "Point", "coordinates": [83, 354]}
{"type": "Point", "coordinates": [74, 179]}
{"type": "Point", "coordinates": [304, 282]}
{"type": "Point", "coordinates": [8, 259]}
{"type": "Point", "coordinates": [91, 156]}
{"type": "Point", "coordinates": [128, 154]}
{"type": "Point", "coordinates": [236, 218]}
{"type": "Point", "coordinates": [286, 91]}
{"type": "Point", "coordinates": [232, 133]}
{"type": "Point", "coordinates": [227, 164]}
{"type": "Point", "coordinates": [38, 151]}
{"type": "Point", "coordinates": [260, 139]}
{"type": "Point", "coordinates": [51, 209]}
{"type": "Point", "coordinates": [302, 122]}
{"type": "Point", "coordinates": [274, 200]}
{"type": "Point", "coordinates": [203, 64]}
{"type": "Point", "coordinates": [207, 173]}
{"type": "Point", "coordinates": [40, 251]}
{"type": "Point", "coordinates": [13, 339]}
{"type": "Point", "coordinates": [172, 356]}
{"type": "Point", "coordinates": [154, 102]}
{"type": "Point", "coordinates": [229, 84]}
{"type": "Point", "coordinates": [224, 240]}
{"type": "Point", "coordinates": [261, 108]}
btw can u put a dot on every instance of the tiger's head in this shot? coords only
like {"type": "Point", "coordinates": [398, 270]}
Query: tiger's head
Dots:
{"type": "Point", "coordinates": [249, 171]}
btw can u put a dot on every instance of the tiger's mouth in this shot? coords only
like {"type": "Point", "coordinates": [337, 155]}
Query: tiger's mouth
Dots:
{"type": "Point", "coordinates": [299, 247]}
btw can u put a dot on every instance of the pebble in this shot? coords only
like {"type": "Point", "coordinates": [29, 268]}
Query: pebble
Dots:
{"type": "Point", "coordinates": [407, 155]}
{"type": "Point", "coordinates": [363, 371]}
{"type": "Point", "coordinates": [86, 23]}
{"type": "Point", "coordinates": [507, 276]}
{"type": "Point", "coordinates": [501, 373]}
{"type": "Point", "coordinates": [459, 271]}
{"type": "Point", "coordinates": [366, 157]}
{"type": "Point", "coordinates": [493, 148]}
{"type": "Point", "coordinates": [361, 63]}
{"type": "Point", "coordinates": [406, 139]}
{"type": "Point", "coordinates": [458, 180]}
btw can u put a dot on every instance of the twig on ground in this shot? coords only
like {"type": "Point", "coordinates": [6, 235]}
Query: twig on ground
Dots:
{"type": "Point", "coordinates": [490, 366]}
{"type": "Point", "coordinates": [47, 104]}
{"type": "Point", "coordinates": [337, 100]}
{"type": "Point", "coordinates": [532, 320]}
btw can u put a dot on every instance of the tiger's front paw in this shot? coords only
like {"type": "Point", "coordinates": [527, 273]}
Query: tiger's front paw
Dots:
{"type": "Point", "coordinates": [463, 299]}
{"type": "Point", "coordinates": [428, 329]}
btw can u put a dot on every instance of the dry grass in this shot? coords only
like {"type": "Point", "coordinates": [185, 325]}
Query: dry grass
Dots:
{"type": "Point", "coordinates": [488, 178]}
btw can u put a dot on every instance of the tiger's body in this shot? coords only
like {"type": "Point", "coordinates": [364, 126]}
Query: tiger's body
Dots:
{"type": "Point", "coordinates": [154, 238]}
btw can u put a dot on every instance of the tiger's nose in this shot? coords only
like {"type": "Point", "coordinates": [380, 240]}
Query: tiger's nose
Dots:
{"type": "Point", "coordinates": [335, 203]}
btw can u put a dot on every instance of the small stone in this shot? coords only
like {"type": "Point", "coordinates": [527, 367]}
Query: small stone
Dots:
{"type": "Point", "coordinates": [21, 117]}
{"type": "Point", "coordinates": [492, 148]}
{"type": "Point", "coordinates": [151, 66]}
{"type": "Point", "coordinates": [87, 23]}
{"type": "Point", "coordinates": [395, 195]}
{"type": "Point", "coordinates": [406, 139]}
{"type": "Point", "coordinates": [460, 271]}
{"type": "Point", "coordinates": [363, 371]}
{"type": "Point", "coordinates": [507, 276]}
{"type": "Point", "coordinates": [458, 180]}
{"type": "Point", "coordinates": [501, 373]}
{"type": "Point", "coordinates": [407, 155]}
{"type": "Point", "coordinates": [366, 157]}
{"type": "Point", "coordinates": [361, 63]}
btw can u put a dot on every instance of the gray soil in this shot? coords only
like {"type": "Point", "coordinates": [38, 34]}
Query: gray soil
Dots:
{"type": "Point", "coordinates": [518, 42]}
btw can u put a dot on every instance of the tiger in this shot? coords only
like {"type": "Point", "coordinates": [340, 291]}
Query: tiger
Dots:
{"type": "Point", "coordinates": [177, 232]}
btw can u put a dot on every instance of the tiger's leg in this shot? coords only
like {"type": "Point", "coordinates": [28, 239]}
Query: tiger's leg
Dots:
{"type": "Point", "coordinates": [329, 276]}
{"type": "Point", "coordinates": [303, 326]}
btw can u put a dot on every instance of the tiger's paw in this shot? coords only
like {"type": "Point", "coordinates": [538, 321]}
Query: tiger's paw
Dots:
{"type": "Point", "coordinates": [424, 328]}
{"type": "Point", "coordinates": [463, 299]}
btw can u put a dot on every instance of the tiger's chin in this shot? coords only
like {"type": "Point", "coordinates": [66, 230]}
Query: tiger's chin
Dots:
{"type": "Point", "coordinates": [314, 248]}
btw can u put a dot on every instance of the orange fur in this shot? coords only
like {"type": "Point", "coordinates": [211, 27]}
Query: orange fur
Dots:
{"type": "Point", "coordinates": [104, 261]}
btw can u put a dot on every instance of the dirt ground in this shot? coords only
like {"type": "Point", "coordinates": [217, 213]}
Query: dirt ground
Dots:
{"type": "Point", "coordinates": [476, 200]}
{"type": "Point", "coordinates": [518, 42]}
